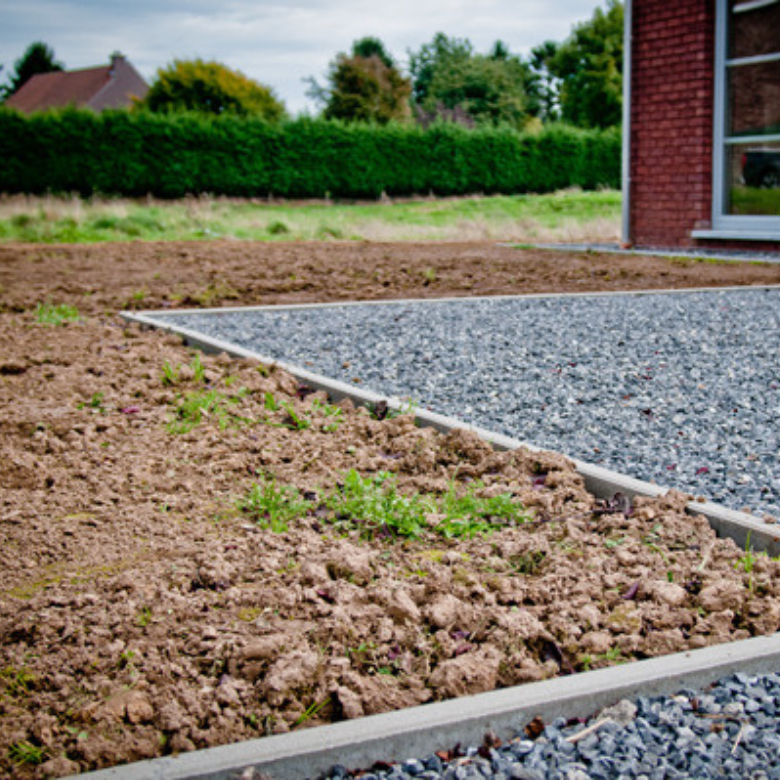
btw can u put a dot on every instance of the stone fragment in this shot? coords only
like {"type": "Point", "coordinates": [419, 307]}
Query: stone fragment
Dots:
{"type": "Point", "coordinates": [721, 596]}
{"type": "Point", "coordinates": [402, 608]}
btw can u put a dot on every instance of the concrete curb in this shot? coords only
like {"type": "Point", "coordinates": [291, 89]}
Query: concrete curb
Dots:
{"type": "Point", "coordinates": [420, 731]}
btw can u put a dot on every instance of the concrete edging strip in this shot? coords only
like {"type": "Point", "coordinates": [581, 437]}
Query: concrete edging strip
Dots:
{"type": "Point", "coordinates": [418, 731]}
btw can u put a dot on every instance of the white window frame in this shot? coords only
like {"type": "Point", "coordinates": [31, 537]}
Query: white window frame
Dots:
{"type": "Point", "coordinates": [755, 228]}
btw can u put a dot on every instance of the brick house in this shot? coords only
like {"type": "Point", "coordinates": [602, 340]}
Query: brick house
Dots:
{"type": "Point", "coordinates": [110, 86]}
{"type": "Point", "coordinates": [702, 123]}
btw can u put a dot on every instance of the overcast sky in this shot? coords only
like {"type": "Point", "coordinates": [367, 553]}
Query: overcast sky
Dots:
{"type": "Point", "coordinates": [276, 43]}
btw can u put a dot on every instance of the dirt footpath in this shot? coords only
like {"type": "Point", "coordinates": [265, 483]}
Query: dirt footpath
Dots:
{"type": "Point", "coordinates": [108, 277]}
{"type": "Point", "coordinates": [195, 551]}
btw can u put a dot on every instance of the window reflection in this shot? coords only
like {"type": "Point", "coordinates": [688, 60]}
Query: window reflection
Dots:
{"type": "Point", "coordinates": [752, 166]}
{"type": "Point", "coordinates": [753, 172]}
{"type": "Point", "coordinates": [754, 92]}
{"type": "Point", "coordinates": [755, 29]}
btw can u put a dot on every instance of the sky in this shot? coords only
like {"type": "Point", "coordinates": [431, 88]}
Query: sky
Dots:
{"type": "Point", "coordinates": [276, 43]}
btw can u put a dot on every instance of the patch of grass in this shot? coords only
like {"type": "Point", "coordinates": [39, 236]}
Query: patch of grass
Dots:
{"type": "Point", "coordinates": [747, 561]}
{"type": "Point", "coordinates": [24, 752]}
{"type": "Point", "coordinates": [196, 406]}
{"type": "Point", "coordinates": [374, 506]}
{"type": "Point", "coordinates": [568, 215]}
{"type": "Point", "coordinates": [333, 415]}
{"type": "Point", "coordinates": [170, 373]}
{"type": "Point", "coordinates": [213, 292]}
{"type": "Point", "coordinates": [293, 420]}
{"type": "Point", "coordinates": [278, 228]}
{"type": "Point", "coordinates": [54, 315]}
{"type": "Point", "coordinates": [273, 506]}
{"type": "Point", "coordinates": [270, 402]}
{"type": "Point", "coordinates": [467, 514]}
{"type": "Point", "coordinates": [17, 682]}
{"type": "Point", "coordinates": [144, 617]}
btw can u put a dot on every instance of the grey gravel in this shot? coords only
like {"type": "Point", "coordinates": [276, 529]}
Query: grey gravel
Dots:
{"type": "Point", "coordinates": [688, 735]}
{"type": "Point", "coordinates": [678, 389]}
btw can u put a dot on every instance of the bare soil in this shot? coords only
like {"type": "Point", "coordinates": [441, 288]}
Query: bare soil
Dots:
{"type": "Point", "coordinates": [142, 613]}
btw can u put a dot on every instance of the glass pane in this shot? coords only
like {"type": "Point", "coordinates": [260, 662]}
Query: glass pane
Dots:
{"type": "Point", "coordinates": [754, 29]}
{"type": "Point", "coordinates": [754, 99]}
{"type": "Point", "coordinates": [753, 179]}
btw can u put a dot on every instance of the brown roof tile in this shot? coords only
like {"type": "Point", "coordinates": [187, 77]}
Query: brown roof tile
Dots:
{"type": "Point", "coordinates": [98, 88]}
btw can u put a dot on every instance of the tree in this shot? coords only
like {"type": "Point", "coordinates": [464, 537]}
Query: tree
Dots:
{"type": "Point", "coordinates": [441, 53]}
{"type": "Point", "coordinates": [372, 47]}
{"type": "Point", "coordinates": [212, 88]}
{"type": "Point", "coordinates": [38, 58]}
{"type": "Point", "coordinates": [543, 86]}
{"type": "Point", "coordinates": [365, 86]}
{"type": "Point", "coordinates": [589, 64]}
{"type": "Point", "coordinates": [448, 76]}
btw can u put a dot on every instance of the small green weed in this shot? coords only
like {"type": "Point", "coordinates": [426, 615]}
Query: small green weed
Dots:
{"type": "Point", "coordinates": [126, 659]}
{"type": "Point", "coordinates": [144, 617]}
{"type": "Point", "coordinates": [381, 411]}
{"type": "Point", "coordinates": [333, 415]}
{"type": "Point", "coordinates": [528, 563]}
{"type": "Point", "coordinates": [170, 375]}
{"type": "Point", "coordinates": [374, 506]}
{"type": "Point", "coordinates": [17, 682]}
{"type": "Point", "coordinates": [49, 314]}
{"type": "Point", "coordinates": [95, 404]}
{"type": "Point", "coordinates": [271, 404]}
{"type": "Point", "coordinates": [469, 515]}
{"type": "Point", "coordinates": [273, 506]}
{"type": "Point", "coordinates": [311, 711]}
{"type": "Point", "coordinates": [195, 406]}
{"type": "Point", "coordinates": [24, 752]}
{"type": "Point", "coordinates": [198, 369]}
{"type": "Point", "coordinates": [293, 420]}
{"type": "Point", "coordinates": [748, 561]}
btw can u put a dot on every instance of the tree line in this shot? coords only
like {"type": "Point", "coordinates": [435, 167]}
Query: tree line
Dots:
{"type": "Point", "coordinates": [577, 81]}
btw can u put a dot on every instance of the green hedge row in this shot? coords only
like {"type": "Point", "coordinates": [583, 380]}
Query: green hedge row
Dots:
{"type": "Point", "coordinates": [169, 156]}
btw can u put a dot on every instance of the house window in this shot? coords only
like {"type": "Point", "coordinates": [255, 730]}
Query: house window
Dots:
{"type": "Point", "coordinates": [746, 192]}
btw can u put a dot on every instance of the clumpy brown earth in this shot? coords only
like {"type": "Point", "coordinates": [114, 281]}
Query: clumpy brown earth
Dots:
{"type": "Point", "coordinates": [143, 613]}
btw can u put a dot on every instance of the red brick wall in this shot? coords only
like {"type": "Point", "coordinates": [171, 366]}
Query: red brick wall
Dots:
{"type": "Point", "coordinates": [672, 86]}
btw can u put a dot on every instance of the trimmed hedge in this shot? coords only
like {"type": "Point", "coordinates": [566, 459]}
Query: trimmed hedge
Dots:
{"type": "Point", "coordinates": [173, 155]}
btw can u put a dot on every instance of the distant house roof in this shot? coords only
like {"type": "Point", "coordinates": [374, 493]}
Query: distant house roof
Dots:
{"type": "Point", "coordinates": [110, 86]}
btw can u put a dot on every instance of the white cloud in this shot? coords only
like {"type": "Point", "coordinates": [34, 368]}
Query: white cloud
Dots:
{"type": "Point", "coordinates": [278, 43]}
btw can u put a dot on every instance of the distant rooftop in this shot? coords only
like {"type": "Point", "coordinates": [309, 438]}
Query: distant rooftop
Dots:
{"type": "Point", "coordinates": [108, 86]}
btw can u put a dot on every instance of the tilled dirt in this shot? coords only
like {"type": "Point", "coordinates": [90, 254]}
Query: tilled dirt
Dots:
{"type": "Point", "coordinates": [143, 613]}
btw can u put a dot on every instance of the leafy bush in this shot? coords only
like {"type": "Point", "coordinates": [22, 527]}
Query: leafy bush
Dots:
{"type": "Point", "coordinates": [211, 88]}
{"type": "Point", "coordinates": [173, 155]}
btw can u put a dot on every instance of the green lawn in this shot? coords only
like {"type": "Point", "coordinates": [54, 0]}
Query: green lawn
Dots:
{"type": "Point", "coordinates": [570, 215]}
